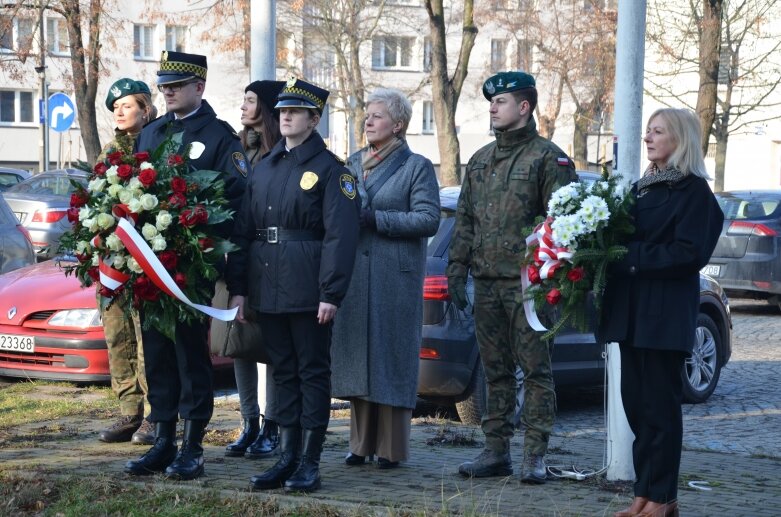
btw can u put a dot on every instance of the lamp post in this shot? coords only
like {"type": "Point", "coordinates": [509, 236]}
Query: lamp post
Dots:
{"type": "Point", "coordinates": [43, 102]}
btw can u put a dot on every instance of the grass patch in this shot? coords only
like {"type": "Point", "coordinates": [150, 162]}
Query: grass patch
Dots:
{"type": "Point", "coordinates": [38, 401]}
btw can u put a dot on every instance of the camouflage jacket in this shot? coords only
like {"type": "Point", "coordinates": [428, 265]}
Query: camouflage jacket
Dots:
{"type": "Point", "coordinates": [507, 185]}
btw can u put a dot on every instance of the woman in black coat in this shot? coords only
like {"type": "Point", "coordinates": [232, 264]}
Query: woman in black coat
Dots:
{"type": "Point", "coordinates": [652, 299]}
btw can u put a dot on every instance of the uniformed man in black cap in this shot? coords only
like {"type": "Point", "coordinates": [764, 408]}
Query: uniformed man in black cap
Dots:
{"type": "Point", "coordinates": [297, 233]}
{"type": "Point", "coordinates": [179, 373]}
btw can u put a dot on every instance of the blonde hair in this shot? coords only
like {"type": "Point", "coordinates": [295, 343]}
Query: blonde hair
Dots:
{"type": "Point", "coordinates": [684, 128]}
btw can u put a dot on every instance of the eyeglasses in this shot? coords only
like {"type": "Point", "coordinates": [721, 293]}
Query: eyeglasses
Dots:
{"type": "Point", "coordinates": [174, 87]}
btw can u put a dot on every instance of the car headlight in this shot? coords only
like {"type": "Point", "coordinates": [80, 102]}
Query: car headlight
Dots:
{"type": "Point", "coordinates": [79, 318]}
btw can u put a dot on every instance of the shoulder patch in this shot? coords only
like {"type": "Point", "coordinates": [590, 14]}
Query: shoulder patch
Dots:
{"type": "Point", "coordinates": [347, 184]}
{"type": "Point", "coordinates": [563, 161]}
{"type": "Point", "coordinates": [240, 162]}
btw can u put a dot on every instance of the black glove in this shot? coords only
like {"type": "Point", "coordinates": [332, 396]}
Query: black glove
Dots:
{"type": "Point", "coordinates": [368, 219]}
{"type": "Point", "coordinates": [456, 287]}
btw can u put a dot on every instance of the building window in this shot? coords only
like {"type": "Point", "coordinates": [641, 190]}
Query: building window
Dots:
{"type": "Point", "coordinates": [16, 34]}
{"type": "Point", "coordinates": [16, 106]}
{"type": "Point", "coordinates": [391, 52]}
{"type": "Point", "coordinates": [56, 36]}
{"type": "Point", "coordinates": [728, 67]}
{"type": "Point", "coordinates": [143, 41]}
{"type": "Point", "coordinates": [174, 38]}
{"type": "Point", "coordinates": [428, 117]}
{"type": "Point", "coordinates": [427, 49]}
{"type": "Point", "coordinates": [524, 56]}
{"type": "Point", "coordinates": [498, 55]}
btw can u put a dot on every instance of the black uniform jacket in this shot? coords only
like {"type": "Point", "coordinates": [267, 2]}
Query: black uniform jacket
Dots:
{"type": "Point", "coordinates": [652, 295]}
{"type": "Point", "coordinates": [305, 188]}
{"type": "Point", "coordinates": [221, 150]}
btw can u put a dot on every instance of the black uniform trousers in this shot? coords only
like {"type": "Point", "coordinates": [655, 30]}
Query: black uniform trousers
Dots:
{"type": "Point", "coordinates": [652, 391]}
{"type": "Point", "coordinates": [300, 350]}
{"type": "Point", "coordinates": [179, 373]}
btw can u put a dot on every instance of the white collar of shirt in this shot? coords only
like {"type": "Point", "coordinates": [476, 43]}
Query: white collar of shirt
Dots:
{"type": "Point", "coordinates": [176, 117]}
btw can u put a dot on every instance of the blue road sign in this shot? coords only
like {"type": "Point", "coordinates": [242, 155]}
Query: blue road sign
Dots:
{"type": "Point", "coordinates": [61, 112]}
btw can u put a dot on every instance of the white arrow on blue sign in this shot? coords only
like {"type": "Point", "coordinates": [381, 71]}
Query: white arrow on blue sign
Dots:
{"type": "Point", "coordinates": [61, 112]}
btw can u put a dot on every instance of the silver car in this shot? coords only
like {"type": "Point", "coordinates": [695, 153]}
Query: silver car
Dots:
{"type": "Point", "coordinates": [10, 177]}
{"type": "Point", "coordinates": [41, 203]}
{"type": "Point", "coordinates": [16, 247]}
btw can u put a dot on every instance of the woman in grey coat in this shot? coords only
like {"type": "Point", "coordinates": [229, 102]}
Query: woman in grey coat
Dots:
{"type": "Point", "coordinates": [376, 335]}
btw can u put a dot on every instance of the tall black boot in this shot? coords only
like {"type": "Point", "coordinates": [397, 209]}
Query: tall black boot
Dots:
{"type": "Point", "coordinates": [266, 443]}
{"type": "Point", "coordinates": [188, 463]}
{"type": "Point", "coordinates": [248, 435]}
{"type": "Point", "coordinates": [160, 455]}
{"type": "Point", "coordinates": [275, 477]}
{"type": "Point", "coordinates": [306, 478]}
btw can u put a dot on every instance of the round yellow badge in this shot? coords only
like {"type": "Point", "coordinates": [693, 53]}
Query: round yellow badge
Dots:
{"type": "Point", "coordinates": [308, 180]}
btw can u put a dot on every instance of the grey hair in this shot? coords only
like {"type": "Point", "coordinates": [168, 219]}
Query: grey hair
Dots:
{"type": "Point", "coordinates": [398, 106]}
{"type": "Point", "coordinates": [685, 130]}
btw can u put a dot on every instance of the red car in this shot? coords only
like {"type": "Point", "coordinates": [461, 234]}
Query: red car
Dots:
{"type": "Point", "coordinates": [50, 328]}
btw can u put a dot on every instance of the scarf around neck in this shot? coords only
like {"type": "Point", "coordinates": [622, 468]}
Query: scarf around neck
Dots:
{"type": "Point", "coordinates": [372, 157]}
{"type": "Point", "coordinates": [670, 175]}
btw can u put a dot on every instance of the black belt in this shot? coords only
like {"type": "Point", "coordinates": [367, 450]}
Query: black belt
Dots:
{"type": "Point", "coordinates": [273, 235]}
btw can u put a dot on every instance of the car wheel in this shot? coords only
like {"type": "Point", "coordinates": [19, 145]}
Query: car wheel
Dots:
{"type": "Point", "coordinates": [701, 371]}
{"type": "Point", "coordinates": [471, 409]}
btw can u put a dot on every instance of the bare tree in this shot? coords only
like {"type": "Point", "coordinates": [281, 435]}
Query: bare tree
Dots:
{"type": "Point", "coordinates": [447, 89]}
{"type": "Point", "coordinates": [709, 23]}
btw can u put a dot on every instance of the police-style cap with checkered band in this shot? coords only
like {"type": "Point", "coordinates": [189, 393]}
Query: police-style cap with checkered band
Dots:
{"type": "Point", "coordinates": [301, 94]}
{"type": "Point", "coordinates": [504, 82]}
{"type": "Point", "coordinates": [178, 66]}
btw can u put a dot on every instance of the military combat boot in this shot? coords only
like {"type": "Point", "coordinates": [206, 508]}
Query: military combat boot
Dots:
{"type": "Point", "coordinates": [488, 463]}
{"type": "Point", "coordinates": [533, 469]}
{"type": "Point", "coordinates": [248, 435]}
{"type": "Point", "coordinates": [121, 430]}
{"type": "Point", "coordinates": [290, 446]}
{"type": "Point", "coordinates": [306, 478]}
{"type": "Point", "coordinates": [188, 463]}
{"type": "Point", "coordinates": [266, 443]}
{"type": "Point", "coordinates": [160, 455]}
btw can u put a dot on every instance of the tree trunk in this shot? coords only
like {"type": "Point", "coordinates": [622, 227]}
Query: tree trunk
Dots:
{"type": "Point", "coordinates": [721, 161]}
{"type": "Point", "coordinates": [580, 140]}
{"type": "Point", "coordinates": [710, 48]}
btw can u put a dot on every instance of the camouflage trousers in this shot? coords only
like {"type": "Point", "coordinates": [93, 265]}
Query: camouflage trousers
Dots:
{"type": "Point", "coordinates": [506, 341]}
{"type": "Point", "coordinates": [122, 328]}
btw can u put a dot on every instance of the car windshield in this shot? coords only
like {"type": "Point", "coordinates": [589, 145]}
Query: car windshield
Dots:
{"type": "Point", "coordinates": [8, 180]}
{"type": "Point", "coordinates": [45, 184]}
{"type": "Point", "coordinates": [749, 207]}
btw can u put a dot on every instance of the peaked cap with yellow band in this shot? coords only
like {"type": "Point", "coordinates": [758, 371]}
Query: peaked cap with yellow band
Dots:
{"type": "Point", "coordinates": [178, 66]}
{"type": "Point", "coordinates": [301, 94]}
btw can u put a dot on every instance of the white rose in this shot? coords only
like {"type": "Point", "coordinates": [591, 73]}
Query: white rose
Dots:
{"type": "Point", "coordinates": [119, 260]}
{"type": "Point", "coordinates": [83, 247]}
{"type": "Point", "coordinates": [96, 185]}
{"type": "Point", "coordinates": [158, 243]}
{"type": "Point", "coordinates": [145, 165]}
{"type": "Point", "coordinates": [111, 175]}
{"type": "Point", "coordinates": [84, 213]}
{"type": "Point", "coordinates": [148, 201]}
{"type": "Point", "coordinates": [95, 259]}
{"type": "Point", "coordinates": [134, 266]}
{"type": "Point", "coordinates": [91, 224]}
{"type": "Point", "coordinates": [105, 221]}
{"type": "Point", "coordinates": [134, 205]}
{"type": "Point", "coordinates": [114, 243]}
{"type": "Point", "coordinates": [149, 232]}
{"type": "Point", "coordinates": [163, 220]}
{"type": "Point", "coordinates": [135, 184]}
{"type": "Point", "coordinates": [114, 190]}
{"type": "Point", "coordinates": [125, 196]}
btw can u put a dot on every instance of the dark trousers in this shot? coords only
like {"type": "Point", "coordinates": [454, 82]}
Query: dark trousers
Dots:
{"type": "Point", "coordinates": [300, 350]}
{"type": "Point", "coordinates": [652, 390]}
{"type": "Point", "coordinates": [179, 373]}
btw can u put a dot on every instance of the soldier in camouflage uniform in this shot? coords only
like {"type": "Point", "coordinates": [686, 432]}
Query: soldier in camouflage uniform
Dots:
{"type": "Point", "coordinates": [508, 184]}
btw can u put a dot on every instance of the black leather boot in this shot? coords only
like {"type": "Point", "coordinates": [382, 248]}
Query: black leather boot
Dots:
{"type": "Point", "coordinates": [188, 463]}
{"type": "Point", "coordinates": [266, 443]}
{"type": "Point", "coordinates": [275, 477]}
{"type": "Point", "coordinates": [160, 455]}
{"type": "Point", "coordinates": [306, 478]}
{"type": "Point", "coordinates": [248, 435]}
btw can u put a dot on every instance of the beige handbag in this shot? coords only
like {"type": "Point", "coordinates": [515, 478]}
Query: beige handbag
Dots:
{"type": "Point", "coordinates": [234, 339]}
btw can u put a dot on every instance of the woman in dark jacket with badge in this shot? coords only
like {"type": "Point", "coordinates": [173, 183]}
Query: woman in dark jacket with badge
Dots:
{"type": "Point", "coordinates": [377, 333]}
{"type": "Point", "coordinates": [652, 300]}
{"type": "Point", "coordinates": [297, 232]}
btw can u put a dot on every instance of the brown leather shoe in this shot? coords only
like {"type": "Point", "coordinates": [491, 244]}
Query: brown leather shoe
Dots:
{"type": "Point", "coordinates": [637, 506]}
{"type": "Point", "coordinates": [653, 509]}
{"type": "Point", "coordinates": [145, 435]}
{"type": "Point", "coordinates": [121, 430]}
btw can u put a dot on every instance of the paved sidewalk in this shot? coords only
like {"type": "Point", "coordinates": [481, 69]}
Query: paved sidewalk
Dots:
{"type": "Point", "coordinates": [740, 484]}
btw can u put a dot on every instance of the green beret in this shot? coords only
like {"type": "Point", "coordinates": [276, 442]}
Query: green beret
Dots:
{"type": "Point", "coordinates": [123, 88]}
{"type": "Point", "coordinates": [504, 82]}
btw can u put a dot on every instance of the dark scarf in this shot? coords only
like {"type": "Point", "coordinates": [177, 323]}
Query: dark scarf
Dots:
{"type": "Point", "coordinates": [670, 175]}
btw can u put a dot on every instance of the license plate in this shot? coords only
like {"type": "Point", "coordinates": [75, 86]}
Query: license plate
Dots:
{"type": "Point", "coordinates": [11, 343]}
{"type": "Point", "coordinates": [711, 270]}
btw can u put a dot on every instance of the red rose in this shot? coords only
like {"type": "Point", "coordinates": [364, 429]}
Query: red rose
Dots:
{"type": "Point", "coordinates": [169, 259]}
{"type": "Point", "coordinates": [144, 289]}
{"type": "Point", "coordinates": [180, 279]}
{"type": "Point", "coordinates": [141, 157]}
{"type": "Point", "coordinates": [100, 168]}
{"type": "Point", "coordinates": [73, 215]}
{"type": "Point", "coordinates": [83, 257]}
{"type": "Point", "coordinates": [201, 214]}
{"type": "Point", "coordinates": [94, 273]}
{"type": "Point", "coordinates": [114, 158]}
{"type": "Point", "coordinates": [147, 177]}
{"type": "Point", "coordinates": [79, 198]}
{"type": "Point", "coordinates": [106, 292]}
{"type": "Point", "coordinates": [576, 274]}
{"type": "Point", "coordinates": [178, 185]}
{"type": "Point", "coordinates": [205, 243]}
{"type": "Point", "coordinates": [177, 200]}
{"type": "Point", "coordinates": [553, 296]}
{"type": "Point", "coordinates": [124, 171]}
{"type": "Point", "coordinates": [193, 216]}
{"type": "Point", "coordinates": [175, 159]}
{"type": "Point", "coordinates": [534, 275]}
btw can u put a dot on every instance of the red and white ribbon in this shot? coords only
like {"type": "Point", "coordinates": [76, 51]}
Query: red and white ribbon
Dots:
{"type": "Point", "coordinates": [551, 257]}
{"type": "Point", "coordinates": [156, 272]}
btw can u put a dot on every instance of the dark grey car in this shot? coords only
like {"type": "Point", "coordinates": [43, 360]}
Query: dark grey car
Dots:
{"type": "Point", "coordinates": [450, 368]}
{"type": "Point", "coordinates": [16, 248]}
{"type": "Point", "coordinates": [41, 203]}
